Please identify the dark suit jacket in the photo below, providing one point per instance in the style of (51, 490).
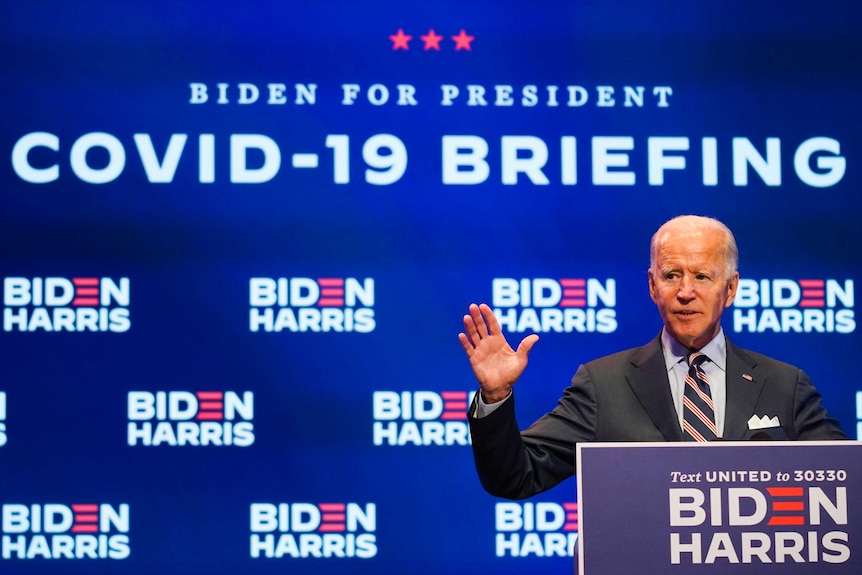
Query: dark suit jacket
(626, 397)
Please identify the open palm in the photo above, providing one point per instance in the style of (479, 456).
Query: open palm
(495, 364)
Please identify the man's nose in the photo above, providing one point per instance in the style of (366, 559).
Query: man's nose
(686, 289)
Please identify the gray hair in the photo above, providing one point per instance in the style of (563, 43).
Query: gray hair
(693, 224)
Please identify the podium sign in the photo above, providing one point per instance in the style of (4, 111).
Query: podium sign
(720, 508)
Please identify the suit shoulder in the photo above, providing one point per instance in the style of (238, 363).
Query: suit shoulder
(766, 362)
(618, 359)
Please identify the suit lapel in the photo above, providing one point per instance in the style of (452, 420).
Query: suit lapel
(744, 385)
(650, 384)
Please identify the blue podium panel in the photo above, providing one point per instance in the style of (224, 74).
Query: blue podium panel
(720, 507)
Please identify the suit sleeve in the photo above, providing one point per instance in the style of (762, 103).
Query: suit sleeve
(810, 418)
(517, 465)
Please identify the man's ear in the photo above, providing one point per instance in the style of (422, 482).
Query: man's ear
(652, 293)
(731, 289)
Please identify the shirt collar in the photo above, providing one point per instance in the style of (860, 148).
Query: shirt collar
(674, 352)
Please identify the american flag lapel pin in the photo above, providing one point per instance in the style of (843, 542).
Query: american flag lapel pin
(747, 377)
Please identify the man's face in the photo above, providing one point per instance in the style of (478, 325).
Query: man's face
(689, 285)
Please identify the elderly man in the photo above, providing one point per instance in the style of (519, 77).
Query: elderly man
(688, 384)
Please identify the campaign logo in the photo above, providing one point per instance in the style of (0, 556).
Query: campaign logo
(66, 304)
(57, 531)
(2, 418)
(777, 524)
(321, 530)
(544, 305)
(181, 418)
(421, 417)
(798, 306)
(543, 529)
(307, 304)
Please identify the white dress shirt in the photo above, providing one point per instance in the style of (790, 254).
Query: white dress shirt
(716, 370)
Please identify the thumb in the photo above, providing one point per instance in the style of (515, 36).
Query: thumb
(527, 344)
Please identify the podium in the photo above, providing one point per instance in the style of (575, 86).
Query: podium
(723, 508)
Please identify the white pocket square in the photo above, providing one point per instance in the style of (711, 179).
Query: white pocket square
(762, 422)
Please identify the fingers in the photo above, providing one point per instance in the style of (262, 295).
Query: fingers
(471, 335)
(466, 343)
(527, 344)
(474, 326)
(493, 326)
(482, 323)
(478, 316)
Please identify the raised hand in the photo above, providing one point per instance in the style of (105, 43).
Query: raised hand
(495, 364)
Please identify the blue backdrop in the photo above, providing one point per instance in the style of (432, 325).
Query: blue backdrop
(239, 238)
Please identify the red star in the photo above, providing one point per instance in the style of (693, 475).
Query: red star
(432, 40)
(400, 40)
(462, 41)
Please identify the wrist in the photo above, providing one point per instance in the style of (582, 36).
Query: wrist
(496, 395)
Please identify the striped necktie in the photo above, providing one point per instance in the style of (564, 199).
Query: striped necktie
(698, 420)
